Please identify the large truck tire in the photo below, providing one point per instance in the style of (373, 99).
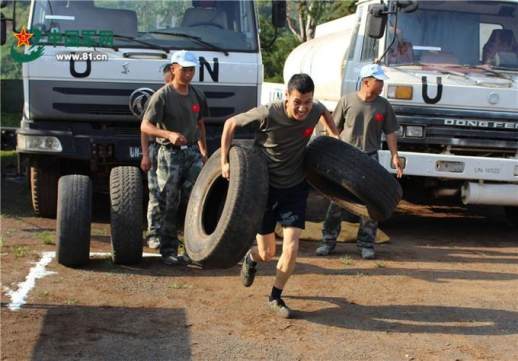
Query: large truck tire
(74, 216)
(223, 216)
(351, 178)
(126, 214)
(44, 189)
(511, 213)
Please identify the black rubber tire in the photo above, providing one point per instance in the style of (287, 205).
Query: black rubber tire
(74, 216)
(223, 216)
(511, 214)
(126, 214)
(351, 178)
(44, 188)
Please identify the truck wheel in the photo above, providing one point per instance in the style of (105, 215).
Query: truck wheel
(126, 198)
(223, 216)
(351, 178)
(511, 213)
(73, 220)
(44, 189)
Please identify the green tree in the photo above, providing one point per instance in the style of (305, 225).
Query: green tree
(9, 68)
(275, 55)
(303, 16)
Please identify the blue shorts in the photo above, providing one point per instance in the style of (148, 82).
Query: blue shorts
(286, 207)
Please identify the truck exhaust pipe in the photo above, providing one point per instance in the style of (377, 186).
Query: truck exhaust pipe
(491, 194)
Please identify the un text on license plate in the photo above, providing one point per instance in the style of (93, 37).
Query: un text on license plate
(134, 152)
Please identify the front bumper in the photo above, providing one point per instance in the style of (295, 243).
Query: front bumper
(450, 166)
(81, 141)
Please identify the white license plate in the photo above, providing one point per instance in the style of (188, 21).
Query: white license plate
(134, 152)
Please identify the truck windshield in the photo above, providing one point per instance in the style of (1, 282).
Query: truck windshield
(467, 33)
(166, 24)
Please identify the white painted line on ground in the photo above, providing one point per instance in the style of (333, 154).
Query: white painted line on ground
(19, 296)
(108, 254)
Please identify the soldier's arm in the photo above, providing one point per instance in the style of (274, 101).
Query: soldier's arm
(327, 121)
(145, 163)
(151, 129)
(392, 145)
(202, 143)
(226, 140)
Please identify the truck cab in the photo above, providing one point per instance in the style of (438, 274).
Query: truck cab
(453, 83)
(99, 63)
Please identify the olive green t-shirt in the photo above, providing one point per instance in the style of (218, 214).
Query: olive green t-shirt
(282, 140)
(176, 112)
(362, 122)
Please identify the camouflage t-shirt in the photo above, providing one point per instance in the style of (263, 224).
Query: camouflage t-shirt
(362, 122)
(176, 112)
(282, 140)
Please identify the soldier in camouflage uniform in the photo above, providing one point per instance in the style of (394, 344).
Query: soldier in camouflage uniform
(174, 116)
(148, 164)
(363, 116)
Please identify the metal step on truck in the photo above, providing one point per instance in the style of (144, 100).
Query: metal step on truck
(453, 83)
(87, 74)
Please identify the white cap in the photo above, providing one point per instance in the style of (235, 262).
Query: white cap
(184, 58)
(373, 70)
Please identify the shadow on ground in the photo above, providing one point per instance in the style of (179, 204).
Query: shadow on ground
(338, 312)
(111, 333)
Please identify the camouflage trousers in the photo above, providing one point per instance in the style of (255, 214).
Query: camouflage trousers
(332, 227)
(153, 206)
(176, 174)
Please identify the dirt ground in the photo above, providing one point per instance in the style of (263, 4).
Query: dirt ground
(444, 287)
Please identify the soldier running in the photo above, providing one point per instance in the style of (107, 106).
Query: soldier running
(285, 128)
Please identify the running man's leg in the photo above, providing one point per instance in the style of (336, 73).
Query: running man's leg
(288, 258)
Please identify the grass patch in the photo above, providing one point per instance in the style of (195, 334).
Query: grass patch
(11, 119)
(70, 301)
(48, 238)
(8, 159)
(179, 286)
(347, 260)
(20, 251)
(380, 265)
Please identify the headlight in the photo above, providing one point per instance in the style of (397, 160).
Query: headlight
(414, 131)
(404, 92)
(38, 143)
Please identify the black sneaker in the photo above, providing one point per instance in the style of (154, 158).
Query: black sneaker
(248, 270)
(278, 307)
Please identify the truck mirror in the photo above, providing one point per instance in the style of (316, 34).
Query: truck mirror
(3, 30)
(279, 13)
(376, 20)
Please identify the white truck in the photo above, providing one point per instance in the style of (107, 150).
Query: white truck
(453, 83)
(85, 92)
